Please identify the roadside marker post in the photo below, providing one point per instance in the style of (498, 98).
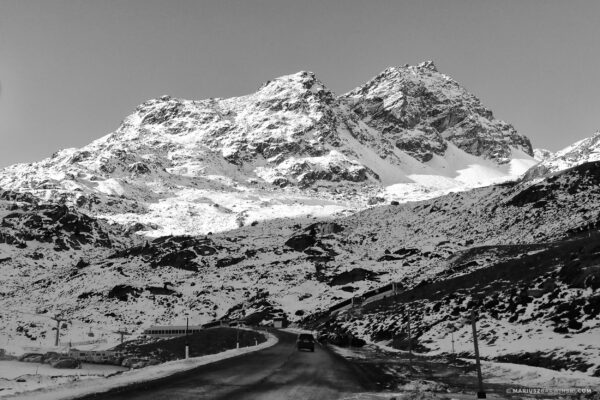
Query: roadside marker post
(410, 355)
(453, 359)
(187, 343)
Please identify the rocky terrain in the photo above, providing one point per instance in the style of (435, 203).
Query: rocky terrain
(420, 111)
(290, 200)
(302, 266)
(542, 154)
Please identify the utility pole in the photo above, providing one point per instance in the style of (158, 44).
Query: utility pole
(481, 393)
(58, 321)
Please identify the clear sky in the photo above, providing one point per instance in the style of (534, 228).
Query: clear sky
(70, 71)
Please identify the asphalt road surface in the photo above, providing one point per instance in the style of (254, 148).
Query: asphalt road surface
(279, 372)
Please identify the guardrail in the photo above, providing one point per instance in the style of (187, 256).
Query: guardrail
(390, 287)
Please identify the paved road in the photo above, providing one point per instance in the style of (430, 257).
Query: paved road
(278, 372)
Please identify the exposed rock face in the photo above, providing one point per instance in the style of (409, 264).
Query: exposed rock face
(419, 110)
(56, 225)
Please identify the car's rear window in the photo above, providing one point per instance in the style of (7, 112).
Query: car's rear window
(306, 336)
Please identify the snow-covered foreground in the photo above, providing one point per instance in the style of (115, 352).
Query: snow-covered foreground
(424, 392)
(515, 374)
(524, 375)
(506, 374)
(13, 369)
(74, 388)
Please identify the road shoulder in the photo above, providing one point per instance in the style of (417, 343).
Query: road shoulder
(93, 386)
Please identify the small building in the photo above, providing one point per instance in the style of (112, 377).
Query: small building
(96, 356)
(172, 331)
(278, 322)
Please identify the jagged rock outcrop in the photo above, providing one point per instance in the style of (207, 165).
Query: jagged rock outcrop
(542, 154)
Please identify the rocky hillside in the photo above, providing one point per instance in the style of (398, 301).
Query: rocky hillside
(538, 306)
(302, 266)
(293, 148)
(524, 256)
(43, 246)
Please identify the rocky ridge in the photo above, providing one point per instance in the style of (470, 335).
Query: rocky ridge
(583, 151)
(291, 148)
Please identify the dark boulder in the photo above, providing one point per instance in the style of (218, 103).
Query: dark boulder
(354, 275)
(180, 260)
(122, 292)
(389, 257)
(227, 261)
(161, 291)
(301, 242)
(324, 228)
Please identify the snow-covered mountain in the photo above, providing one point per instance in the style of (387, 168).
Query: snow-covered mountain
(581, 152)
(258, 205)
(292, 148)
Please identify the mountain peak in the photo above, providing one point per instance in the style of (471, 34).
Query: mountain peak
(301, 80)
(427, 65)
(421, 109)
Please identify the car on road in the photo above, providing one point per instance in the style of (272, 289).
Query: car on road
(306, 341)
